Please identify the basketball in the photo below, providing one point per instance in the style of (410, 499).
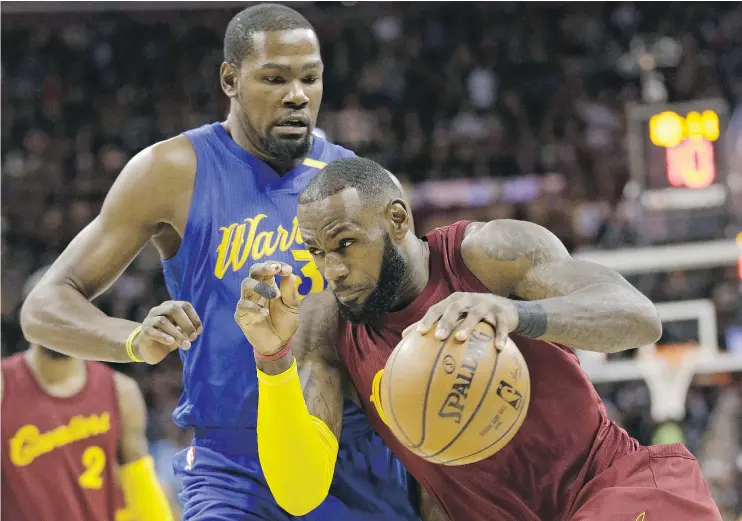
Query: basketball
(451, 402)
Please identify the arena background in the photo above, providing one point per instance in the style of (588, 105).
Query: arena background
(486, 110)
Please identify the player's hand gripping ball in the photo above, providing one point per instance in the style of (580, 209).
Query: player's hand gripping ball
(453, 402)
(464, 311)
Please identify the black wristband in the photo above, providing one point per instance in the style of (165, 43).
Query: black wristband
(531, 319)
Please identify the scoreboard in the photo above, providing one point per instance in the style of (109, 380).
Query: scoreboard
(679, 170)
(684, 148)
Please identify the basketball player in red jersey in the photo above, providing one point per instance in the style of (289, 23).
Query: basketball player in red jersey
(72, 433)
(568, 461)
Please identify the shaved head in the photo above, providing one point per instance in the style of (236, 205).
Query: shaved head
(373, 183)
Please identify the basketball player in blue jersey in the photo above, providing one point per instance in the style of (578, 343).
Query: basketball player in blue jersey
(214, 200)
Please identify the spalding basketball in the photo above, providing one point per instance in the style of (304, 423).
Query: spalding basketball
(452, 402)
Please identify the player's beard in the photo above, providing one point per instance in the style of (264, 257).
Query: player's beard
(285, 150)
(385, 294)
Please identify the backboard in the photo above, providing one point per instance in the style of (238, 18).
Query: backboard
(669, 369)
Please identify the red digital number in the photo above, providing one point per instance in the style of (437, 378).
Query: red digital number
(691, 164)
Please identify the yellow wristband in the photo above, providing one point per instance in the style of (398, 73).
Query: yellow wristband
(129, 342)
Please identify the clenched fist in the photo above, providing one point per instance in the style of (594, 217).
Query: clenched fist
(268, 313)
(169, 326)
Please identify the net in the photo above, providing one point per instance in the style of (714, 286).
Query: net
(668, 371)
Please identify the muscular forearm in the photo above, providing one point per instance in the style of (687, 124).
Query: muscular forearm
(59, 317)
(602, 317)
(297, 450)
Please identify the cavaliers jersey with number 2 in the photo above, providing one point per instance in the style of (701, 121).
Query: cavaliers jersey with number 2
(59, 455)
(242, 212)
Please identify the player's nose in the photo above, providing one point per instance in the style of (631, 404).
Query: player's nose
(296, 97)
(335, 270)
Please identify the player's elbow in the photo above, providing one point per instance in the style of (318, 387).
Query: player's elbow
(299, 506)
(297, 493)
(45, 310)
(32, 318)
(643, 325)
(299, 479)
(650, 325)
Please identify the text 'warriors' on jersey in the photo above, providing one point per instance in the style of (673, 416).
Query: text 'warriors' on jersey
(243, 242)
(242, 212)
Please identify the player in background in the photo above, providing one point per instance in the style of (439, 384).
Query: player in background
(567, 461)
(72, 433)
(213, 201)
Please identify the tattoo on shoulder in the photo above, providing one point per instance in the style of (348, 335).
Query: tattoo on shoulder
(500, 252)
(511, 241)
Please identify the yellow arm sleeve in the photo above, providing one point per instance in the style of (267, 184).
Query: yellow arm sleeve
(297, 450)
(144, 496)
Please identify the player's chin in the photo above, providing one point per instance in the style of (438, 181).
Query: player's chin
(289, 133)
(355, 313)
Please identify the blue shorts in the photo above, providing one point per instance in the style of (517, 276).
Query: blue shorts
(370, 484)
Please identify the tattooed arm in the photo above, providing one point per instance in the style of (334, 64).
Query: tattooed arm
(300, 486)
(300, 416)
(321, 371)
(576, 303)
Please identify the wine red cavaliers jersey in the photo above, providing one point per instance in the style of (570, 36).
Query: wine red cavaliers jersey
(565, 440)
(59, 454)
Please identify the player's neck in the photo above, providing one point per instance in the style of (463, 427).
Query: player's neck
(235, 130)
(415, 280)
(57, 376)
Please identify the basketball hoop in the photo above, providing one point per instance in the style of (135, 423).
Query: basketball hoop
(668, 371)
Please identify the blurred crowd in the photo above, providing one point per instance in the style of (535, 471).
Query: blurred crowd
(433, 91)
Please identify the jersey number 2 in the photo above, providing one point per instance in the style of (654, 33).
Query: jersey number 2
(309, 270)
(94, 460)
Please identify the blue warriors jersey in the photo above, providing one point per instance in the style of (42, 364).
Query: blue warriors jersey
(242, 212)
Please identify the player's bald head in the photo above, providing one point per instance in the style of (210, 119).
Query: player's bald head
(374, 185)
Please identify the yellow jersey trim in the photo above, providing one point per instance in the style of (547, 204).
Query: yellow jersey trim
(314, 163)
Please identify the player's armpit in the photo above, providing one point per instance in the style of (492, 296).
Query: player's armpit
(142, 491)
(571, 302)
(58, 313)
(300, 419)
